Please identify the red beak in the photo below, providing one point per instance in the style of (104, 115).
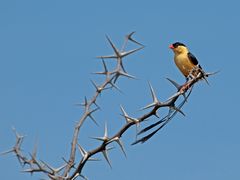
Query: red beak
(171, 46)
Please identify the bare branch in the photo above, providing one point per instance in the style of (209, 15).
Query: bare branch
(71, 169)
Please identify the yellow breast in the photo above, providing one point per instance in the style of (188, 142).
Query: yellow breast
(183, 64)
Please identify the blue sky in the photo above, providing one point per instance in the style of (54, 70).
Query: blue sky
(47, 54)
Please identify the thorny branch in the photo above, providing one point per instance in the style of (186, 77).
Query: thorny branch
(71, 169)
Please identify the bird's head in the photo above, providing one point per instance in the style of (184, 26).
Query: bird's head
(178, 47)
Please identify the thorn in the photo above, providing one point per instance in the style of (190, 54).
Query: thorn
(30, 170)
(96, 105)
(153, 93)
(72, 165)
(127, 75)
(85, 103)
(116, 76)
(118, 54)
(181, 92)
(128, 37)
(124, 54)
(7, 152)
(105, 132)
(89, 114)
(116, 87)
(95, 85)
(145, 138)
(60, 168)
(18, 137)
(82, 151)
(121, 73)
(98, 138)
(212, 73)
(106, 57)
(114, 47)
(34, 153)
(120, 143)
(148, 106)
(105, 154)
(177, 109)
(127, 117)
(151, 126)
(54, 170)
(203, 75)
(105, 137)
(178, 86)
(155, 102)
(104, 66)
(34, 160)
(98, 89)
(205, 79)
(16, 148)
(156, 114)
(131, 39)
(105, 72)
(85, 154)
(125, 43)
(92, 118)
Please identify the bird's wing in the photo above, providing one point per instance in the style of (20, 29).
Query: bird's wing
(192, 58)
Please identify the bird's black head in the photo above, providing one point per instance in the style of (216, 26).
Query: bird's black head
(176, 44)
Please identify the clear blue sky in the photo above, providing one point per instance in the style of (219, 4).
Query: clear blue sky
(47, 54)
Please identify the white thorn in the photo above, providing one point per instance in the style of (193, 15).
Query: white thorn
(105, 131)
(154, 97)
(105, 154)
(155, 100)
(178, 86)
(127, 117)
(118, 140)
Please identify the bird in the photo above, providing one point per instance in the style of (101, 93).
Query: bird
(186, 62)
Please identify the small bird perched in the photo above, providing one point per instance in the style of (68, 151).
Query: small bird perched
(186, 62)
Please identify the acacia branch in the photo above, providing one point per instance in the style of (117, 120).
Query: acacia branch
(71, 169)
(130, 121)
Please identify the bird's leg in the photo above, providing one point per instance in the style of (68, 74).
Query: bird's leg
(193, 73)
(190, 76)
(186, 85)
(189, 80)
